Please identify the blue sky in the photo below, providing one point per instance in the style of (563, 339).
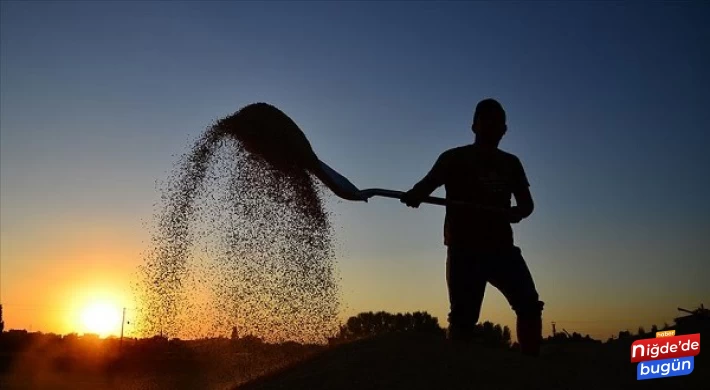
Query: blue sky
(607, 105)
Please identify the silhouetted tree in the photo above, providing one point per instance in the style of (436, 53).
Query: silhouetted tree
(368, 324)
(566, 337)
(642, 331)
(490, 334)
(2, 322)
(235, 334)
(506, 333)
(493, 334)
(654, 329)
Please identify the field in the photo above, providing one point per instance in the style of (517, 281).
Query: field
(394, 361)
(54, 362)
(428, 362)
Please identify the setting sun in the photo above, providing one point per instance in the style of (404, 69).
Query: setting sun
(101, 318)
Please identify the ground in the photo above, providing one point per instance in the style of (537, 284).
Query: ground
(428, 362)
(395, 361)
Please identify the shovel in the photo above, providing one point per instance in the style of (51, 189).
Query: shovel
(266, 131)
(343, 188)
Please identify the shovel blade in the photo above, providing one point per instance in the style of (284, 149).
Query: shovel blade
(339, 184)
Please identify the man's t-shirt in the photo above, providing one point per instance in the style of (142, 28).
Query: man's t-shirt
(482, 177)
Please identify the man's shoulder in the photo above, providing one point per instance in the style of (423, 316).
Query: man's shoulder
(508, 156)
(467, 150)
(457, 151)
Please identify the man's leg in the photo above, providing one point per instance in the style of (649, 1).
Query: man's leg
(512, 277)
(466, 281)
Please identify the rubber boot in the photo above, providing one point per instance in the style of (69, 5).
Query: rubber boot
(529, 330)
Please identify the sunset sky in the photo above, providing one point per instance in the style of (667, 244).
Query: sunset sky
(608, 107)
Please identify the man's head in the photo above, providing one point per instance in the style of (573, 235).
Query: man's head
(489, 122)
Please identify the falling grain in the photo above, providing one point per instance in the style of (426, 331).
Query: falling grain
(241, 240)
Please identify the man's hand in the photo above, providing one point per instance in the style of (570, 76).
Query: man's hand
(515, 214)
(523, 205)
(411, 199)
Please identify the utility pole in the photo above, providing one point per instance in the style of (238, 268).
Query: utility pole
(123, 321)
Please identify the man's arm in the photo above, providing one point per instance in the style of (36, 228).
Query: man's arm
(524, 204)
(433, 180)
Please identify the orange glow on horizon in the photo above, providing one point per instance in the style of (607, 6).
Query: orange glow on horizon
(102, 318)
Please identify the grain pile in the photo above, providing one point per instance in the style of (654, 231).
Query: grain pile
(241, 240)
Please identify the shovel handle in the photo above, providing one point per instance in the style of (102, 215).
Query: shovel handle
(399, 194)
(367, 194)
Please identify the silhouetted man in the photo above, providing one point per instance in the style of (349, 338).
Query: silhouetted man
(480, 242)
